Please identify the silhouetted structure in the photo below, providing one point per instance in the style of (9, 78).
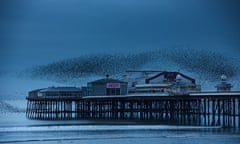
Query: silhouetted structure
(223, 86)
(182, 108)
(106, 86)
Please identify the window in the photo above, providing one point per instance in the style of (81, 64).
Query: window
(113, 91)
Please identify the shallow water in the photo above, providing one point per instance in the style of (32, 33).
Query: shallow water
(15, 128)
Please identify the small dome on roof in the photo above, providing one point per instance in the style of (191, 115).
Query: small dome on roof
(223, 77)
(178, 77)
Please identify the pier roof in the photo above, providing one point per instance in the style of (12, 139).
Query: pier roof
(170, 74)
(61, 89)
(233, 93)
(106, 80)
(128, 96)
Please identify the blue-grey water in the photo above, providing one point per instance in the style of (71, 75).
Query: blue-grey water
(15, 128)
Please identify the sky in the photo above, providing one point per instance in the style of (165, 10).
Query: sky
(36, 32)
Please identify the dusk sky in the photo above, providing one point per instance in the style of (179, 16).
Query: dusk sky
(42, 31)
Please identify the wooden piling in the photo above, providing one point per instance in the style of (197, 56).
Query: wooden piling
(184, 110)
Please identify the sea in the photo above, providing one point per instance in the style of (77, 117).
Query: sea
(15, 128)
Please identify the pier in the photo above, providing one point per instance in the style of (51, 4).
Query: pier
(144, 97)
(196, 109)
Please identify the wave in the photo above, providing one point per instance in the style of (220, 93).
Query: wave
(87, 138)
(84, 128)
(109, 133)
